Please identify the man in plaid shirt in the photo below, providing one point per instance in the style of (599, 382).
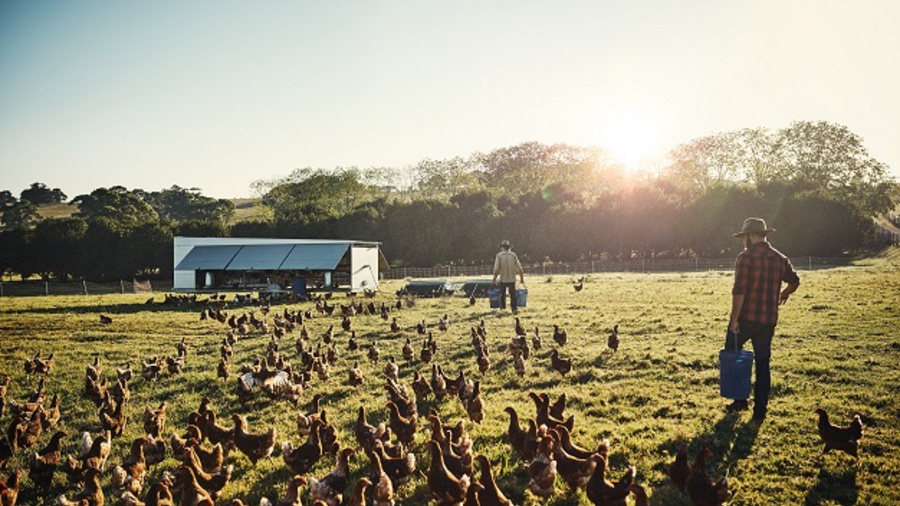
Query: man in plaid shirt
(759, 273)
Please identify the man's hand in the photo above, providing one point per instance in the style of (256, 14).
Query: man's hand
(734, 326)
(783, 297)
(494, 281)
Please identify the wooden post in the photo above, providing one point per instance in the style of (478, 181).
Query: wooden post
(84, 285)
(122, 285)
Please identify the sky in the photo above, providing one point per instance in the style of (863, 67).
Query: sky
(215, 94)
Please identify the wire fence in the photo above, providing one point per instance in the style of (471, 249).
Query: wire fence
(625, 266)
(39, 288)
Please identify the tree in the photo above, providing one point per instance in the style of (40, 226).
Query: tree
(441, 179)
(116, 204)
(181, 204)
(57, 246)
(22, 214)
(308, 196)
(6, 199)
(39, 195)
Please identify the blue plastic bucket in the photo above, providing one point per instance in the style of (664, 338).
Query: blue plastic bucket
(494, 297)
(522, 297)
(734, 373)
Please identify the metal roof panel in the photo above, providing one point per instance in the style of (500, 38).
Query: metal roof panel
(207, 258)
(315, 257)
(259, 257)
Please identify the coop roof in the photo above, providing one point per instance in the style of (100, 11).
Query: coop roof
(260, 257)
(315, 257)
(208, 258)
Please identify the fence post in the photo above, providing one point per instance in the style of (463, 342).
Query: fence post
(643, 261)
(1, 288)
(46, 288)
(84, 285)
(810, 263)
(122, 284)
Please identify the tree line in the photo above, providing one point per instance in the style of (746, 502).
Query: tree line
(813, 181)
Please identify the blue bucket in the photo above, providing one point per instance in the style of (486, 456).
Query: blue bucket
(494, 297)
(734, 373)
(522, 297)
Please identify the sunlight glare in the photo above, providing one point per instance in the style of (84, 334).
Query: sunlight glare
(628, 136)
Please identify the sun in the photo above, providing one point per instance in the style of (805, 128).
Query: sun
(629, 136)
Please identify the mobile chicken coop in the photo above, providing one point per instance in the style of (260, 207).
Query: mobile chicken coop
(213, 264)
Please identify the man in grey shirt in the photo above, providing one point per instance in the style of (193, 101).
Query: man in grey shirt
(506, 266)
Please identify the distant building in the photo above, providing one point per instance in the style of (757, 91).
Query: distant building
(212, 264)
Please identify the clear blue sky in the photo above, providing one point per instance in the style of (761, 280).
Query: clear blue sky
(217, 93)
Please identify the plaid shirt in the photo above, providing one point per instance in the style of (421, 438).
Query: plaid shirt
(758, 274)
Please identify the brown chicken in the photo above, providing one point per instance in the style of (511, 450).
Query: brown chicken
(701, 488)
(358, 495)
(192, 494)
(301, 459)
(155, 420)
(613, 341)
(404, 428)
(490, 494)
(44, 462)
(213, 483)
(603, 492)
(331, 489)
(292, 493)
(445, 487)
(640, 495)
(365, 433)
(560, 365)
(681, 468)
(542, 470)
(9, 491)
(560, 335)
(514, 434)
(573, 470)
(845, 439)
(254, 446)
(381, 492)
(92, 495)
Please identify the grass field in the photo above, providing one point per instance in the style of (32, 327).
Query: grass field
(837, 346)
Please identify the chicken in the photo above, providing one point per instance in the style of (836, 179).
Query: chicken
(358, 496)
(155, 420)
(192, 494)
(559, 407)
(840, 438)
(519, 328)
(680, 469)
(347, 324)
(420, 387)
(154, 449)
(404, 428)
(44, 462)
(565, 439)
(701, 488)
(391, 371)
(305, 420)
(445, 487)
(543, 417)
(94, 369)
(601, 491)
(542, 470)
(381, 492)
(475, 406)
(374, 352)
(331, 489)
(560, 365)
(560, 335)
(105, 320)
(353, 343)
(9, 491)
(210, 460)
(114, 421)
(124, 373)
(579, 286)
(427, 352)
(399, 468)
(97, 450)
(514, 434)
(399, 395)
(640, 495)
(150, 369)
(33, 428)
(574, 470)
(520, 365)
(212, 483)
(365, 433)
(613, 341)
(490, 494)
(159, 495)
(8, 447)
(536, 341)
(292, 494)
(175, 364)
(304, 457)
(92, 495)
(254, 446)
(355, 378)
(224, 369)
(438, 382)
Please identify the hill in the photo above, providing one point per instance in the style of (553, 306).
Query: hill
(244, 210)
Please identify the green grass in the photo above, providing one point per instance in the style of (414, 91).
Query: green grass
(836, 347)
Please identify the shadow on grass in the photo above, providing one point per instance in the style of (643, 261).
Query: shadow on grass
(834, 487)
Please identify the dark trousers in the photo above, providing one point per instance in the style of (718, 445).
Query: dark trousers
(513, 296)
(761, 337)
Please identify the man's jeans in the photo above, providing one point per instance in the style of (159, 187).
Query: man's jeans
(513, 296)
(761, 337)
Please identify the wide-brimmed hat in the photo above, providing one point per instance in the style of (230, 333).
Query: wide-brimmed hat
(755, 226)
(505, 244)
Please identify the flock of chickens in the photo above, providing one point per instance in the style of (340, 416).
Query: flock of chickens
(201, 447)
